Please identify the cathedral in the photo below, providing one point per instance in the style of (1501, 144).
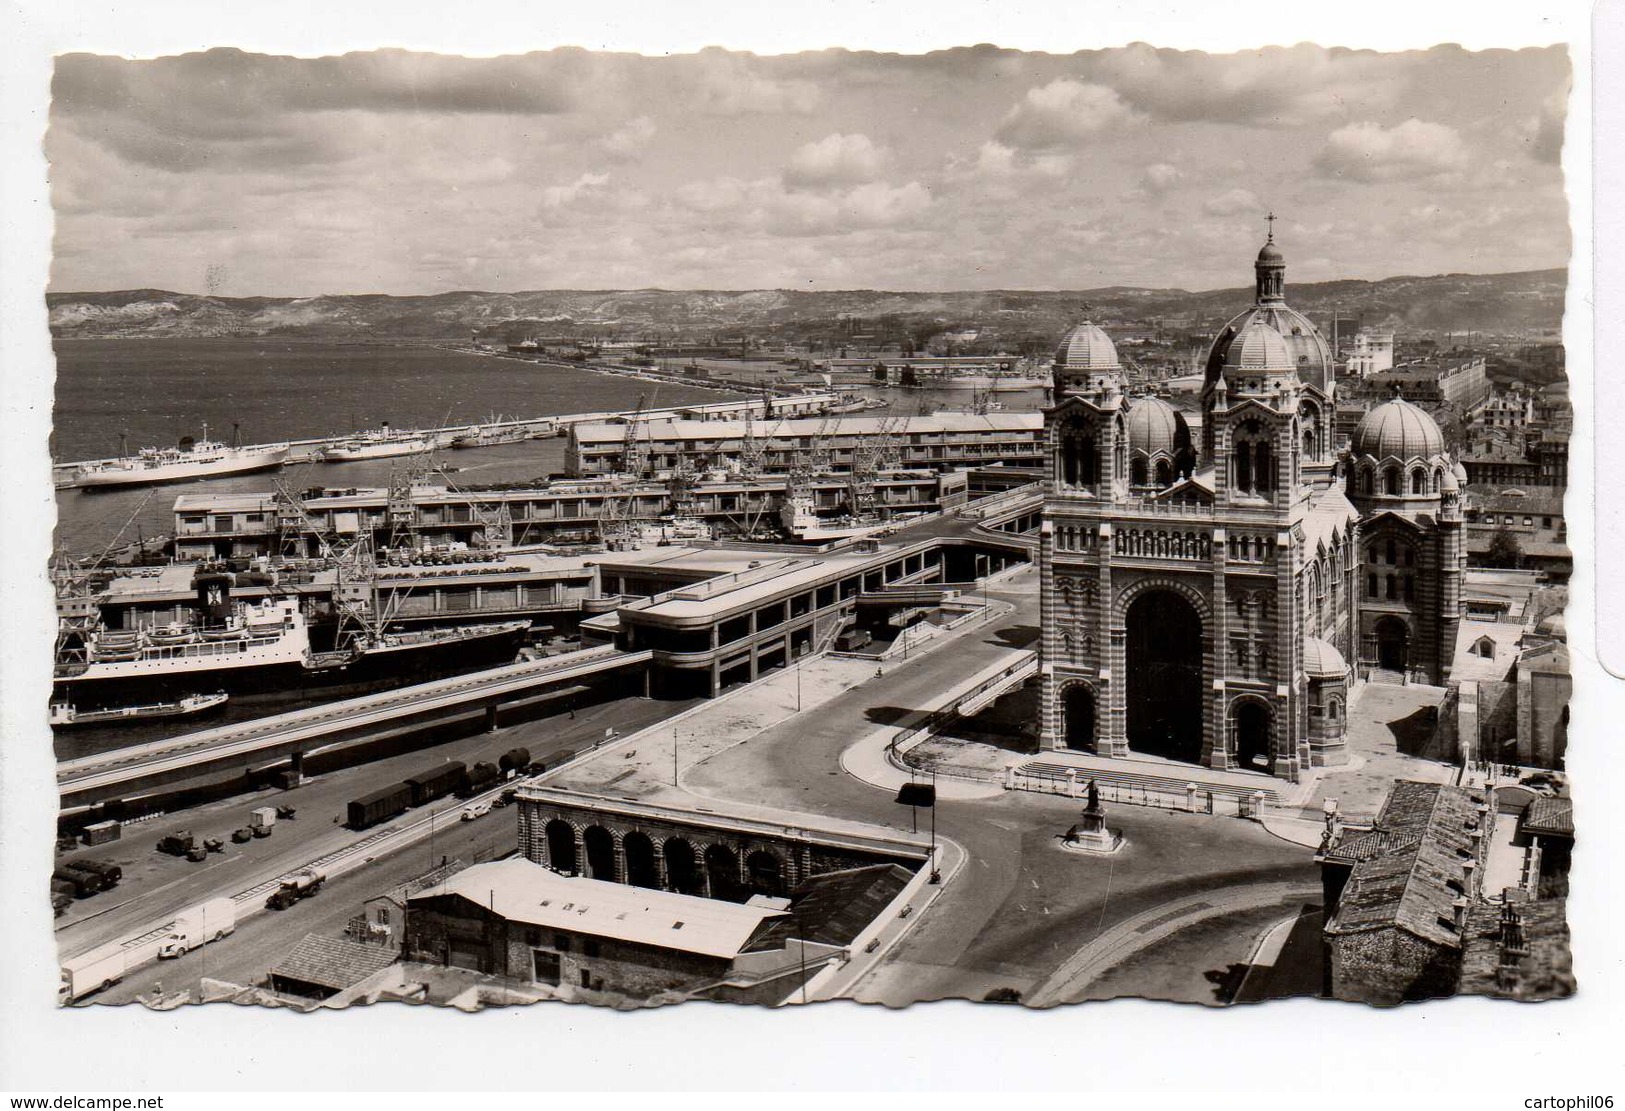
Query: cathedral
(1213, 597)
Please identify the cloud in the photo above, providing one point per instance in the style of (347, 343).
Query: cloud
(835, 160)
(1273, 86)
(1413, 151)
(1062, 114)
(1159, 177)
(557, 196)
(767, 206)
(730, 85)
(629, 139)
(1233, 203)
(1545, 131)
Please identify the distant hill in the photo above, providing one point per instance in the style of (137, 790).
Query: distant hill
(1504, 303)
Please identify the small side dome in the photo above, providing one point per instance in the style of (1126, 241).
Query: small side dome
(1087, 347)
(1399, 430)
(1259, 347)
(1460, 472)
(1156, 426)
(1448, 484)
(1322, 661)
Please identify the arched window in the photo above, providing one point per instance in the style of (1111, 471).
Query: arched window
(1243, 467)
(1263, 469)
(1165, 473)
(1365, 480)
(1484, 648)
(1410, 588)
(1137, 475)
(1371, 585)
(1391, 480)
(1392, 585)
(1390, 553)
(1334, 709)
(1419, 481)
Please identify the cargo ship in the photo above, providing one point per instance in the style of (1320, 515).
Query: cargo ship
(262, 650)
(382, 442)
(190, 459)
(491, 434)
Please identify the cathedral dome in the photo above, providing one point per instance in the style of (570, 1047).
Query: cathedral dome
(1258, 347)
(1322, 661)
(1156, 426)
(1087, 347)
(1270, 252)
(1398, 430)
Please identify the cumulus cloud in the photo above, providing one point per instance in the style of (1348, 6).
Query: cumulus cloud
(835, 160)
(767, 206)
(1159, 177)
(1413, 151)
(1273, 86)
(557, 196)
(733, 84)
(628, 139)
(1233, 203)
(1545, 131)
(1062, 114)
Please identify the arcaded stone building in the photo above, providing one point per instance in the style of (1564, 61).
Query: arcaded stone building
(1213, 602)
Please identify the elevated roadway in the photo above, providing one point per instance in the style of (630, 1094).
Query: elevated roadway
(125, 771)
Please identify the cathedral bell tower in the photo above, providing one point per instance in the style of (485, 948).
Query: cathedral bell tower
(1085, 426)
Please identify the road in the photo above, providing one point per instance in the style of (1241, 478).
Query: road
(1022, 907)
(156, 885)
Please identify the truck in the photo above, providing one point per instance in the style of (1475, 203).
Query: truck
(82, 884)
(177, 842)
(198, 926)
(262, 820)
(379, 806)
(92, 971)
(436, 782)
(300, 885)
(109, 873)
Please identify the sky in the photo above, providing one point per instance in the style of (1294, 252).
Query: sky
(978, 168)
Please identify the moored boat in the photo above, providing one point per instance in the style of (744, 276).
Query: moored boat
(382, 442)
(64, 715)
(188, 460)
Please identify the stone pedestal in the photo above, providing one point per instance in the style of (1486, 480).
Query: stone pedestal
(1090, 835)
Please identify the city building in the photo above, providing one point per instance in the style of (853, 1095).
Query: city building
(1373, 353)
(1518, 949)
(1397, 894)
(1212, 599)
(937, 440)
(1458, 380)
(1532, 518)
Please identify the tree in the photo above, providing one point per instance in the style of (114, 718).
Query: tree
(1505, 550)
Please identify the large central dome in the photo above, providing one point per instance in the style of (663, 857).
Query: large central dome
(1311, 355)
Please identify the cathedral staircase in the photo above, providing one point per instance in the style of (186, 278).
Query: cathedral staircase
(1383, 675)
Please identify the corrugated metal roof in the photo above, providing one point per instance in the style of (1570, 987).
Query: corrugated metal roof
(522, 891)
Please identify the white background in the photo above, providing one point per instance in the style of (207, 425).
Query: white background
(1506, 1051)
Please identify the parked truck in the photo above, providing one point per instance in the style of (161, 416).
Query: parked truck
(82, 883)
(300, 885)
(109, 873)
(177, 842)
(262, 820)
(198, 926)
(92, 971)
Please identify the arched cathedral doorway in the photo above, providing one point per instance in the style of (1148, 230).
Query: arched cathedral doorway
(1250, 735)
(1393, 644)
(1164, 680)
(1079, 707)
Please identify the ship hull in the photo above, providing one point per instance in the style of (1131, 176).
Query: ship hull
(291, 681)
(179, 472)
(374, 451)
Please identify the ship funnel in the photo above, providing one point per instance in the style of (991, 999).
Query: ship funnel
(213, 598)
(186, 443)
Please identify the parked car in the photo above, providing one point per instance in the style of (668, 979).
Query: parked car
(477, 810)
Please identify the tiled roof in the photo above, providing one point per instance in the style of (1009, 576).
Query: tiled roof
(1412, 881)
(1549, 815)
(332, 962)
(833, 908)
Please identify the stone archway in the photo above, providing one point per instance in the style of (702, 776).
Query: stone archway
(1250, 727)
(641, 868)
(600, 845)
(1078, 717)
(683, 873)
(765, 873)
(1393, 644)
(561, 845)
(722, 870)
(1163, 675)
